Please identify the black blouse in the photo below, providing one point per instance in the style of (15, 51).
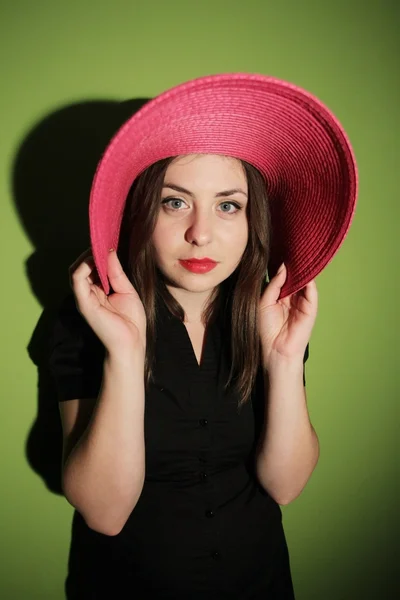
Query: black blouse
(203, 527)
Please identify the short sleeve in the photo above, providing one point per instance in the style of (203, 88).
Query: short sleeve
(76, 355)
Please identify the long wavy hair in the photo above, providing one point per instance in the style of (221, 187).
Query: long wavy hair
(236, 298)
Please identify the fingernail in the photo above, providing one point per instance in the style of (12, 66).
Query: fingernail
(111, 249)
(281, 267)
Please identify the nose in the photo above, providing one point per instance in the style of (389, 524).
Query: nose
(199, 231)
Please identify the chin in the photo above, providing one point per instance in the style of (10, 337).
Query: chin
(197, 286)
(192, 282)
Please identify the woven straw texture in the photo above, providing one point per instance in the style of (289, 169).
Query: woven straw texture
(285, 132)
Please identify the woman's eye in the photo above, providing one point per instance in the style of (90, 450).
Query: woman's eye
(226, 205)
(173, 203)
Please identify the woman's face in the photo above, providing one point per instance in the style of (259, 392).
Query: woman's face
(204, 218)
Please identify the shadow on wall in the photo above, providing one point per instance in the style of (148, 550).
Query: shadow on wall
(52, 176)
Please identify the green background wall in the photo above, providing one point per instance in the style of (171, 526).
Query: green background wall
(62, 65)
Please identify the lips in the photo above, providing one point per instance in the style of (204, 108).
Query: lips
(196, 265)
(199, 260)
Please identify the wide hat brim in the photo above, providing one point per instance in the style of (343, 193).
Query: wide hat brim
(282, 130)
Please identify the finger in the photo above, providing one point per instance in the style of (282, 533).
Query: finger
(117, 276)
(311, 293)
(82, 278)
(274, 287)
(82, 269)
(76, 263)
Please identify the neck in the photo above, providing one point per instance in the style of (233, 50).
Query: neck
(193, 304)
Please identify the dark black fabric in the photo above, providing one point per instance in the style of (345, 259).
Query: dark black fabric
(203, 527)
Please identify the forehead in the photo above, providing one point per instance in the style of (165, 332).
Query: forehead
(211, 165)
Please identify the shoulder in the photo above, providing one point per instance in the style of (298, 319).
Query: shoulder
(70, 324)
(75, 353)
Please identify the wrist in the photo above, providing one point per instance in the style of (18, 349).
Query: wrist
(123, 357)
(279, 366)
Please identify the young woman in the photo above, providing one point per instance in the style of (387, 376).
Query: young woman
(181, 388)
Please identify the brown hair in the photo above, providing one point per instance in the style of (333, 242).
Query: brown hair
(237, 297)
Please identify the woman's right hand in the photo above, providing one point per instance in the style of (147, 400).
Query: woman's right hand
(118, 320)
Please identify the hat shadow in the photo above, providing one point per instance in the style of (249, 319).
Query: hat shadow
(52, 175)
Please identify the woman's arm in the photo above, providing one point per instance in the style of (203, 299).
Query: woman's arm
(288, 449)
(103, 473)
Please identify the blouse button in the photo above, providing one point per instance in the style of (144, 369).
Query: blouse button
(203, 476)
(209, 514)
(215, 555)
(203, 422)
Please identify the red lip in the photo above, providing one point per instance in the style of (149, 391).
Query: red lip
(199, 260)
(198, 266)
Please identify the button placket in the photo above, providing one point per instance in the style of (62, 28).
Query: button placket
(203, 455)
(202, 394)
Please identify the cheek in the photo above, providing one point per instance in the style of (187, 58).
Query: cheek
(238, 239)
(163, 239)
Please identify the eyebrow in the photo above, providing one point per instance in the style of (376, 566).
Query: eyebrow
(223, 194)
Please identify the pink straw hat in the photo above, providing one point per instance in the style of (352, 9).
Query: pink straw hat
(279, 128)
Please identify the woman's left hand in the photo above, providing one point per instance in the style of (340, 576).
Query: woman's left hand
(285, 325)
